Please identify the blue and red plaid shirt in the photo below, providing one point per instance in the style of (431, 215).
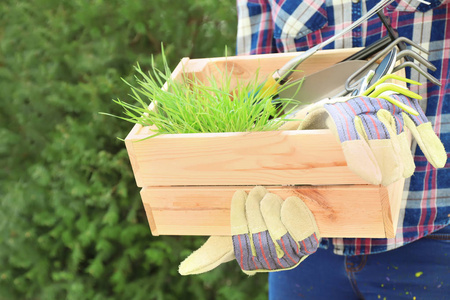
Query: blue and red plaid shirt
(268, 26)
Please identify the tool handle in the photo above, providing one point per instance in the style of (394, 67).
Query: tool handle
(370, 50)
(392, 32)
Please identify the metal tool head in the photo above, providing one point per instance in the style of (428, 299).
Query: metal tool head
(385, 67)
(364, 83)
(416, 56)
(350, 84)
(418, 69)
(322, 84)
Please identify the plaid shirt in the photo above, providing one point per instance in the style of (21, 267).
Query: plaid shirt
(267, 26)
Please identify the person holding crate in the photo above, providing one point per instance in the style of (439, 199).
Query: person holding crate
(270, 234)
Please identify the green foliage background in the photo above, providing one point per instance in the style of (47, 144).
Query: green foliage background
(72, 225)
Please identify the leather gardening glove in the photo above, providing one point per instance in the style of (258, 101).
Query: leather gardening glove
(371, 132)
(268, 234)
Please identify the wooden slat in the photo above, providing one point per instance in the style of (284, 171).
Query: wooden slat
(340, 211)
(267, 158)
(244, 67)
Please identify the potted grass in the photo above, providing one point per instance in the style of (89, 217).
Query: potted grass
(211, 105)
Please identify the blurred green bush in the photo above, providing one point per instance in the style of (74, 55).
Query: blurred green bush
(72, 225)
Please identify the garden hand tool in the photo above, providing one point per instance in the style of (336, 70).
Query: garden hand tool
(280, 76)
(268, 234)
(372, 136)
(350, 84)
(364, 82)
(385, 67)
(313, 88)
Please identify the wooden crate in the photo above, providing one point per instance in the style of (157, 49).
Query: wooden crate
(188, 180)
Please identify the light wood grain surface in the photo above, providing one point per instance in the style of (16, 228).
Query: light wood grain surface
(340, 211)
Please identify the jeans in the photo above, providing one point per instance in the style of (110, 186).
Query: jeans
(419, 270)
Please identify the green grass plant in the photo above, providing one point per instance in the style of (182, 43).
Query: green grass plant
(209, 106)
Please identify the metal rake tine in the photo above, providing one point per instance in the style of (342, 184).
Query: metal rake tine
(416, 56)
(369, 64)
(418, 69)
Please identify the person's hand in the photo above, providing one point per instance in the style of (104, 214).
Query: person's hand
(268, 234)
(371, 132)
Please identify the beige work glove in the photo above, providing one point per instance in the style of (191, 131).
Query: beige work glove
(371, 132)
(268, 234)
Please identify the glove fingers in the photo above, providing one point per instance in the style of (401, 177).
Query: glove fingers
(388, 151)
(405, 154)
(428, 141)
(361, 160)
(390, 164)
(215, 251)
(253, 211)
(238, 217)
(257, 251)
(302, 227)
(253, 245)
(359, 150)
(271, 212)
(288, 250)
(262, 247)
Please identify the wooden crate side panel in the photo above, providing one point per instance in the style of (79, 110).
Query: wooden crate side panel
(151, 219)
(340, 211)
(311, 157)
(244, 67)
(129, 144)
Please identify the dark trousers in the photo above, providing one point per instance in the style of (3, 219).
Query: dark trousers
(419, 270)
